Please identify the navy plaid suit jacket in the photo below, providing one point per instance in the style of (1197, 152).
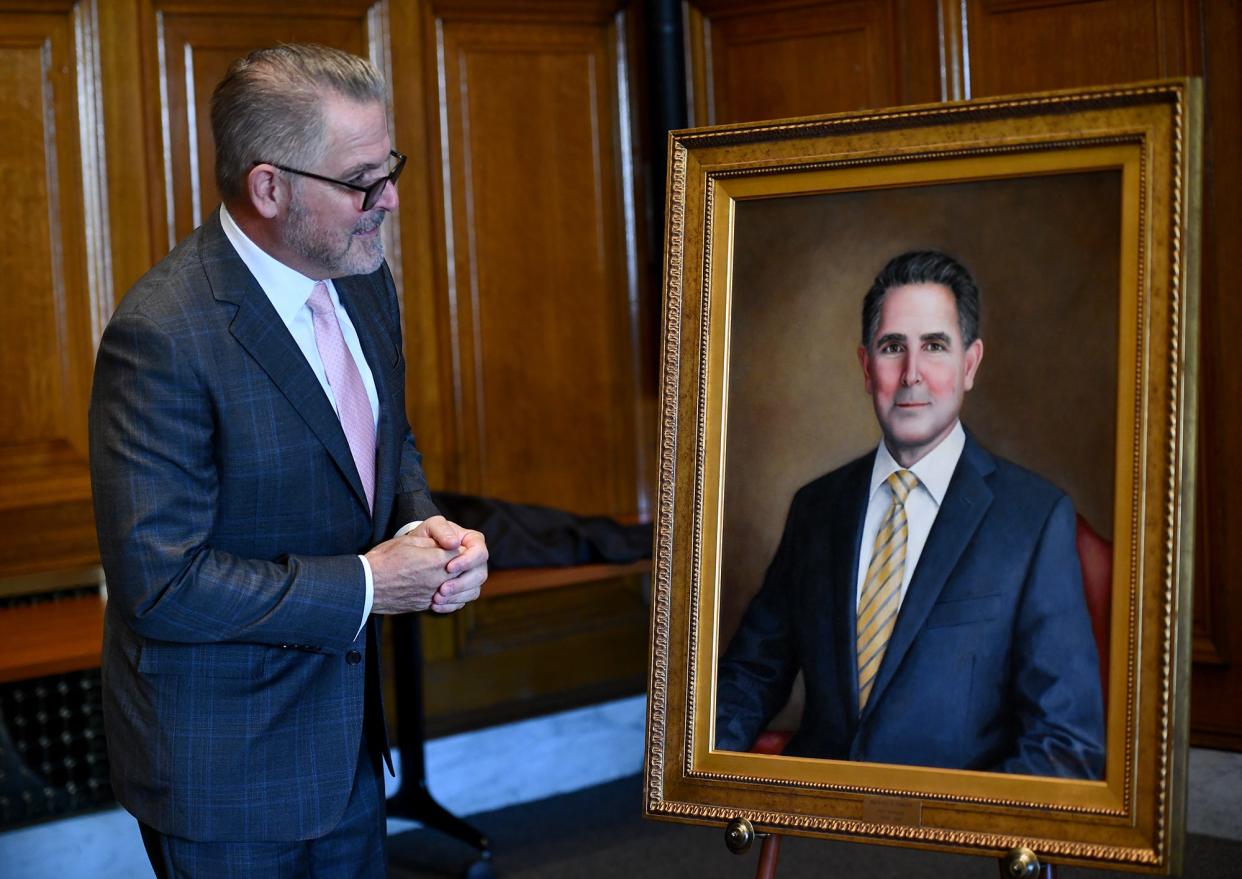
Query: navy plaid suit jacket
(230, 515)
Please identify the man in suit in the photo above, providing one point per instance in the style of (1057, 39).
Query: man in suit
(930, 593)
(251, 462)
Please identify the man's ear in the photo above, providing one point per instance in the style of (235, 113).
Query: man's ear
(974, 356)
(865, 362)
(266, 191)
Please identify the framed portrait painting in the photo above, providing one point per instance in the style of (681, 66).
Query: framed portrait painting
(923, 539)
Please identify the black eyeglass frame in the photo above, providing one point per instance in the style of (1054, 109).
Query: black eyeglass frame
(372, 192)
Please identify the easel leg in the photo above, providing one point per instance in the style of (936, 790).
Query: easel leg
(414, 801)
(769, 856)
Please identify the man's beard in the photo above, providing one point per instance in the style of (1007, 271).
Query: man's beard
(336, 257)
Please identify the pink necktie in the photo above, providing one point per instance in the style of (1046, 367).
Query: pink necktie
(352, 404)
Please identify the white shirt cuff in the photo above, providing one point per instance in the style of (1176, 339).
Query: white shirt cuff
(370, 594)
(407, 528)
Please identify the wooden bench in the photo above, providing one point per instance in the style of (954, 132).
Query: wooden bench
(65, 635)
(50, 638)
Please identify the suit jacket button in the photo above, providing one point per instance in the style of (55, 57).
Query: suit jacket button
(353, 657)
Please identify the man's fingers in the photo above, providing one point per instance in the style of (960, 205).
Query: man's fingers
(445, 533)
(459, 592)
(424, 542)
(463, 588)
(441, 604)
(472, 554)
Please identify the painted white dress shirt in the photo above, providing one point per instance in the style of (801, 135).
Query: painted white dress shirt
(934, 471)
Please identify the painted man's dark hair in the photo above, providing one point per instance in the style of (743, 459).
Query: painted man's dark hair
(924, 267)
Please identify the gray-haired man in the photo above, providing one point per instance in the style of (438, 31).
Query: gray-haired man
(251, 463)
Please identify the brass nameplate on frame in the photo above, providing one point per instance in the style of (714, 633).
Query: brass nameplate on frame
(923, 542)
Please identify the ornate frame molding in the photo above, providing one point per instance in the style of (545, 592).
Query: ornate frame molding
(1131, 820)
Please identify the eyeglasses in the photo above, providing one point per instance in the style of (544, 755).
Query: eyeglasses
(373, 190)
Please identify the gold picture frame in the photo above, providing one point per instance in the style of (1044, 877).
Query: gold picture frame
(773, 233)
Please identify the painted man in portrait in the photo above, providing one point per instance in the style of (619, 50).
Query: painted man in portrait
(929, 592)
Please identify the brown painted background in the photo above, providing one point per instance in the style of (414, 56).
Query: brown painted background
(1045, 252)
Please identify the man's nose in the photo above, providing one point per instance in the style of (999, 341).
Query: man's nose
(388, 198)
(910, 370)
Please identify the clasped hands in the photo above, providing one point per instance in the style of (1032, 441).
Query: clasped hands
(438, 566)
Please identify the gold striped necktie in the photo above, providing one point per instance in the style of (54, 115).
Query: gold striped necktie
(878, 605)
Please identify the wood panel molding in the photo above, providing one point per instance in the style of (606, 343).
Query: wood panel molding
(497, 11)
(523, 327)
(413, 78)
(1014, 46)
(751, 60)
(540, 281)
(55, 260)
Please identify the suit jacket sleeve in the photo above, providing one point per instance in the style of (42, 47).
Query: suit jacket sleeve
(156, 490)
(1055, 677)
(757, 672)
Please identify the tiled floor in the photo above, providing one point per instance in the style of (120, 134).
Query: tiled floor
(515, 763)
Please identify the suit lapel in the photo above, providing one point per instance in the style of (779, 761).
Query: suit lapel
(258, 328)
(965, 503)
(846, 537)
(381, 356)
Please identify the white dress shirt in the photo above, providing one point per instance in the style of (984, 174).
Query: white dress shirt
(288, 291)
(934, 470)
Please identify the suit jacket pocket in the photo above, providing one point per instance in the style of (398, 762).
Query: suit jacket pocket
(205, 660)
(962, 611)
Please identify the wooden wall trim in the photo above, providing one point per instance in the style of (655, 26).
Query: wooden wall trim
(56, 258)
(428, 377)
(94, 167)
(497, 11)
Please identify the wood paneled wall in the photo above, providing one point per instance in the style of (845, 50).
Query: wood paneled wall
(520, 237)
(1032, 45)
(538, 325)
(107, 160)
(54, 262)
(541, 280)
(750, 60)
(754, 60)
(515, 250)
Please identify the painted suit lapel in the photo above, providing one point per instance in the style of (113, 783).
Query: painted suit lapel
(258, 328)
(846, 536)
(965, 503)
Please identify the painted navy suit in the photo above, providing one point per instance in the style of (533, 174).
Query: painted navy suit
(991, 665)
(230, 515)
